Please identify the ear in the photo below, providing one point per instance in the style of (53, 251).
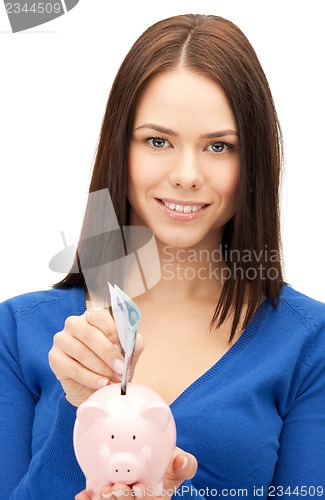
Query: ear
(157, 412)
(88, 414)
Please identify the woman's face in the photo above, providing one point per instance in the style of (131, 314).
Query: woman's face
(183, 160)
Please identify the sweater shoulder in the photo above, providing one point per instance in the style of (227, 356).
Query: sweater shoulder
(45, 299)
(302, 310)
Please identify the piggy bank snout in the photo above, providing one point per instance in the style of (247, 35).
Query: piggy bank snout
(125, 467)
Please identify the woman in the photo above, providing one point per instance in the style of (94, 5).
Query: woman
(190, 148)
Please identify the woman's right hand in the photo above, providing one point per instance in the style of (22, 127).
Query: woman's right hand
(86, 355)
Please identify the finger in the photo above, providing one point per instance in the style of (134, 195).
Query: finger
(138, 490)
(80, 352)
(82, 496)
(67, 368)
(92, 337)
(121, 491)
(184, 465)
(102, 319)
(106, 493)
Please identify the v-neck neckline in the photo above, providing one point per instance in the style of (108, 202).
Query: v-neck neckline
(247, 334)
(234, 350)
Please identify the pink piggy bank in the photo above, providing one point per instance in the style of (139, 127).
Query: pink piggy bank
(124, 438)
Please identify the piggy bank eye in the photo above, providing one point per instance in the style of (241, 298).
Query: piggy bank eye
(133, 437)
(112, 436)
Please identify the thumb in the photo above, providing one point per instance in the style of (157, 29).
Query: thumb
(184, 465)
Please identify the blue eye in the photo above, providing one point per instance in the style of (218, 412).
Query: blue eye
(157, 142)
(218, 147)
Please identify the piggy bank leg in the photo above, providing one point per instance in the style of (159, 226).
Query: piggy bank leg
(92, 490)
(158, 489)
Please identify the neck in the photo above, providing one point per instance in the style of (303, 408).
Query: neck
(191, 274)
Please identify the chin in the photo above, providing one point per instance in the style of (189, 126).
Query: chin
(178, 241)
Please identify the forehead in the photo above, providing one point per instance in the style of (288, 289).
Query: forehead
(181, 94)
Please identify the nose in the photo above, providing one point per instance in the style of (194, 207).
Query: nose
(125, 468)
(186, 172)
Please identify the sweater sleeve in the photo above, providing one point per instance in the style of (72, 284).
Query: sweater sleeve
(50, 473)
(301, 458)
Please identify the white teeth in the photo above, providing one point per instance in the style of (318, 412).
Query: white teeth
(182, 208)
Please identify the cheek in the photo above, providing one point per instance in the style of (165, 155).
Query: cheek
(233, 184)
(226, 183)
(134, 174)
(142, 173)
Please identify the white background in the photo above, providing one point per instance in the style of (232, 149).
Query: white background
(54, 84)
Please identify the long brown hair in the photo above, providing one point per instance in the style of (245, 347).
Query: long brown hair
(216, 48)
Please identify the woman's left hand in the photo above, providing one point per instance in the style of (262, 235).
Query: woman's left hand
(182, 466)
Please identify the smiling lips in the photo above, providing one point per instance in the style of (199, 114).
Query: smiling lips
(181, 211)
(182, 208)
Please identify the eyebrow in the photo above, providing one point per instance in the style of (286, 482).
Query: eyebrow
(168, 131)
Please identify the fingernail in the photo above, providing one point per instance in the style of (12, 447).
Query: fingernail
(185, 463)
(106, 496)
(138, 492)
(118, 366)
(118, 493)
(102, 382)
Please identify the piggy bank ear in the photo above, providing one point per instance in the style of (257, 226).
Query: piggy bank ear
(157, 412)
(87, 415)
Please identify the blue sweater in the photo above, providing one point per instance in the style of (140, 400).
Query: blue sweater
(255, 420)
